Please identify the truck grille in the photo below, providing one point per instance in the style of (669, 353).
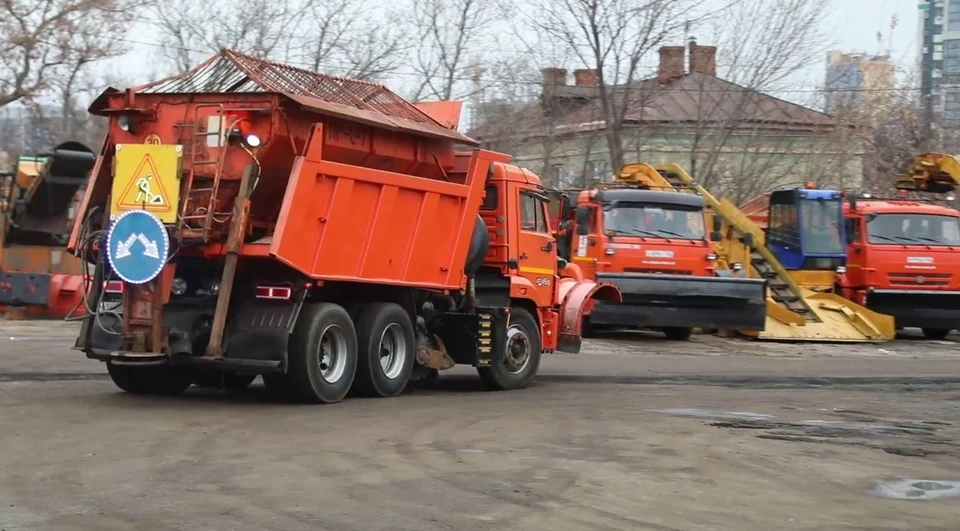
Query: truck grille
(919, 279)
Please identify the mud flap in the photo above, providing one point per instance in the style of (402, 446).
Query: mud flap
(574, 302)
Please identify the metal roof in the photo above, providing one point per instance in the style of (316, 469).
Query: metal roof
(233, 72)
(693, 99)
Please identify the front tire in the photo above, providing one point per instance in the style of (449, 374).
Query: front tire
(322, 354)
(517, 362)
(678, 334)
(387, 350)
(935, 333)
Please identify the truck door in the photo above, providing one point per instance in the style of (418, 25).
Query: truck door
(856, 259)
(536, 247)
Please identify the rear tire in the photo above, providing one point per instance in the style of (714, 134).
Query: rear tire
(387, 350)
(228, 380)
(123, 378)
(162, 380)
(935, 333)
(678, 334)
(322, 357)
(517, 362)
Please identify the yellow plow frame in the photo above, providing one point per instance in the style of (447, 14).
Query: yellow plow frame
(797, 309)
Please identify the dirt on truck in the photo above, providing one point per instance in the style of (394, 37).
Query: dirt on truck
(321, 232)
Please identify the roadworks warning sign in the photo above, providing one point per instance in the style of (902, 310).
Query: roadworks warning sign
(147, 177)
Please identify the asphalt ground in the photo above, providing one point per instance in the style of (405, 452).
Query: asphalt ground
(634, 433)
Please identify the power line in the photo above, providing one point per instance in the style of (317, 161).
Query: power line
(530, 83)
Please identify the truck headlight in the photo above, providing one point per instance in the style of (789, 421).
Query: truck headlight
(712, 256)
(179, 287)
(736, 266)
(841, 269)
(608, 251)
(253, 141)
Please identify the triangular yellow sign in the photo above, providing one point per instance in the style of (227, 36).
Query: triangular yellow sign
(145, 189)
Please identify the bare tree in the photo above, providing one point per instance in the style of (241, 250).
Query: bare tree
(761, 54)
(448, 38)
(335, 36)
(612, 37)
(38, 38)
(343, 36)
(898, 135)
(191, 30)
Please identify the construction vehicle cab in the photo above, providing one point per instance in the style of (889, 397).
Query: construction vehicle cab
(325, 234)
(806, 233)
(655, 245)
(904, 253)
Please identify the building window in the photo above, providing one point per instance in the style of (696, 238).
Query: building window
(951, 60)
(953, 16)
(951, 109)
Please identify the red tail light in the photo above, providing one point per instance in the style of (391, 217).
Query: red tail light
(113, 286)
(273, 292)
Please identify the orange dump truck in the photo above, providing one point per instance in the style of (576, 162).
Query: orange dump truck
(37, 206)
(321, 232)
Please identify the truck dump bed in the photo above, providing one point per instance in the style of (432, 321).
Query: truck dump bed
(346, 181)
(341, 222)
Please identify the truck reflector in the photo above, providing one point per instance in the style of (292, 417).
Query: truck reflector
(113, 286)
(273, 292)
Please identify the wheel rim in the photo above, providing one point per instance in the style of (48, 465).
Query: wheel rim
(393, 351)
(517, 354)
(333, 353)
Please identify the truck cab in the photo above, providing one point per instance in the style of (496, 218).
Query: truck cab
(806, 233)
(654, 245)
(904, 261)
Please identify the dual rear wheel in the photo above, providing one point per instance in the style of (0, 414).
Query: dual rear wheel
(326, 360)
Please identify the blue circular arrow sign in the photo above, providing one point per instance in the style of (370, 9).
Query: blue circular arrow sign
(137, 246)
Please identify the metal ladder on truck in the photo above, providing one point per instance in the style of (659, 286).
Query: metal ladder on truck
(793, 312)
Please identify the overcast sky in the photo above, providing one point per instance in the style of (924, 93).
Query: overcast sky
(857, 23)
(852, 28)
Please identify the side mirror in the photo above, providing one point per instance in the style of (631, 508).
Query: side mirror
(561, 263)
(583, 221)
(748, 239)
(583, 215)
(716, 236)
(717, 223)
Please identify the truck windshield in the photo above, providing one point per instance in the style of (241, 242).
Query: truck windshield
(650, 220)
(917, 229)
(821, 227)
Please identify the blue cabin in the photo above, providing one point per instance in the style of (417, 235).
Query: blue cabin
(805, 230)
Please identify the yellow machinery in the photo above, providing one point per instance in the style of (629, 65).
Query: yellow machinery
(795, 312)
(932, 173)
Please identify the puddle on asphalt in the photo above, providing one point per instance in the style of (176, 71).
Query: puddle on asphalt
(917, 489)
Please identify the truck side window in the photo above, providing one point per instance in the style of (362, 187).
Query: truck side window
(528, 212)
(533, 214)
(489, 198)
(542, 224)
(853, 230)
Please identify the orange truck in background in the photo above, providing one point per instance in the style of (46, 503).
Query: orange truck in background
(903, 260)
(321, 232)
(651, 240)
(38, 201)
